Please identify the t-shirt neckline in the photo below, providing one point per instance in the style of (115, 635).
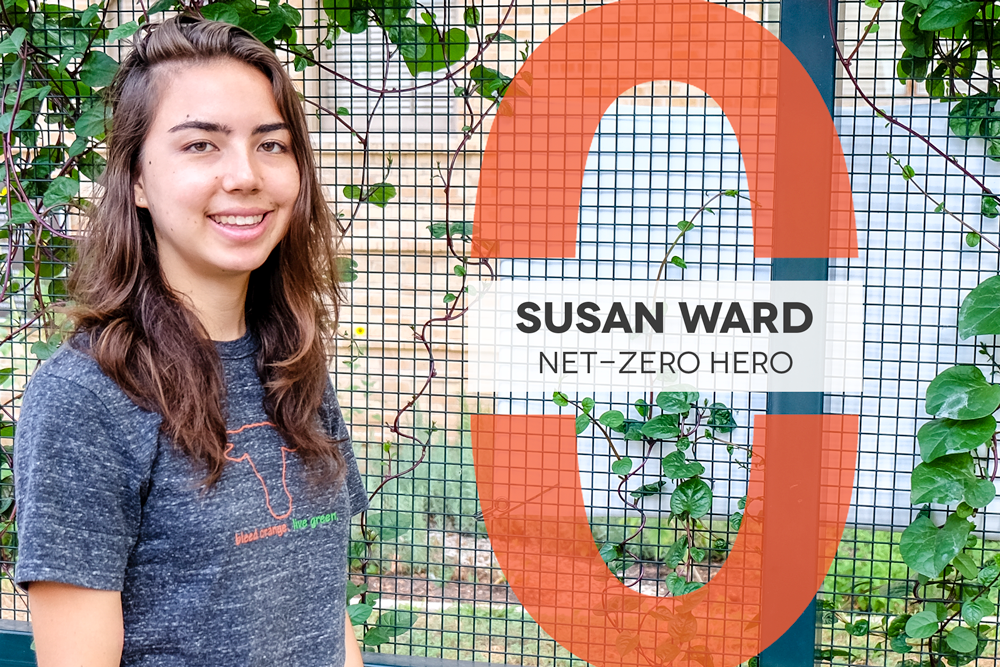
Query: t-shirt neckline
(244, 346)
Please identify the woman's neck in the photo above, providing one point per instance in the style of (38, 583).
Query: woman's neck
(219, 305)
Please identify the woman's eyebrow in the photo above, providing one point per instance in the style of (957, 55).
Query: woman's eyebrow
(225, 129)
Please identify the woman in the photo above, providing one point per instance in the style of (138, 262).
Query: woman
(184, 477)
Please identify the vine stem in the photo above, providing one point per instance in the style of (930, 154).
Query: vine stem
(847, 69)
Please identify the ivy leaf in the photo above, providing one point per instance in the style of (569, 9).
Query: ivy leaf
(389, 525)
(381, 193)
(14, 41)
(685, 226)
(622, 466)
(613, 419)
(582, 422)
(943, 481)
(721, 418)
(675, 466)
(649, 490)
(98, 69)
(898, 643)
(965, 565)
(122, 31)
(661, 427)
(944, 14)
(922, 625)
(93, 122)
(946, 436)
(979, 313)
(352, 192)
(675, 554)
(962, 639)
(858, 629)
(220, 11)
(980, 492)
(60, 191)
(976, 610)
(967, 117)
(587, 404)
(962, 392)
(489, 82)
(676, 260)
(471, 17)
(560, 399)
(11, 121)
(359, 613)
(988, 207)
(972, 239)
(676, 402)
(927, 549)
(692, 498)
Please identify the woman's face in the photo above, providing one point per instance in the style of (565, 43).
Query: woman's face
(217, 173)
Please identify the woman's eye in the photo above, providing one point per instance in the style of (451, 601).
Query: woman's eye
(199, 147)
(272, 147)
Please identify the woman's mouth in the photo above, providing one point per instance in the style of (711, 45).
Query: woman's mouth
(237, 220)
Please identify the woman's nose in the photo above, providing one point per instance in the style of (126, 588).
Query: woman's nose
(241, 172)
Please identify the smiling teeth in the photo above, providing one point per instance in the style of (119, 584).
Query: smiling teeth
(238, 220)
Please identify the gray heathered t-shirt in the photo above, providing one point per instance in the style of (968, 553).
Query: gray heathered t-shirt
(252, 574)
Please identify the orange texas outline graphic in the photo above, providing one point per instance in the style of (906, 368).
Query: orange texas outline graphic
(246, 457)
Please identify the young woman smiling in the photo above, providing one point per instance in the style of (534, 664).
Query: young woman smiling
(169, 457)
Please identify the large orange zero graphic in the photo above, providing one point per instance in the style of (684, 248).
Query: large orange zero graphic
(528, 200)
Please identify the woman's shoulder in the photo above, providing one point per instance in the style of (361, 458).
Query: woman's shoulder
(71, 376)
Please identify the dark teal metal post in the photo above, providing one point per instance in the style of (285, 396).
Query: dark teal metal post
(805, 30)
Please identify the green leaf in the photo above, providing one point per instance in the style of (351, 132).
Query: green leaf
(908, 172)
(966, 118)
(979, 313)
(642, 407)
(161, 6)
(60, 191)
(922, 625)
(376, 636)
(858, 629)
(610, 551)
(972, 239)
(736, 520)
(721, 418)
(220, 11)
(560, 399)
(98, 69)
(89, 14)
(359, 613)
(974, 611)
(440, 53)
(13, 41)
(501, 37)
(988, 206)
(92, 165)
(675, 554)
(927, 549)
(676, 402)
(612, 419)
(676, 260)
(944, 14)
(587, 404)
(381, 193)
(343, 111)
(874, 4)
(898, 643)
(11, 121)
(943, 481)
(916, 41)
(965, 565)
(93, 122)
(352, 192)
(389, 525)
(962, 392)
(661, 427)
(685, 226)
(692, 498)
(20, 214)
(675, 466)
(122, 31)
(449, 297)
(962, 639)
(622, 466)
(459, 270)
(648, 490)
(980, 493)
(471, 16)
(490, 83)
(582, 422)
(946, 436)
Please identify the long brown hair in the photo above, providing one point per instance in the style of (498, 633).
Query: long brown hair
(138, 329)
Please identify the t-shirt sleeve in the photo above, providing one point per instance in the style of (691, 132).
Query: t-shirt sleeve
(339, 431)
(76, 488)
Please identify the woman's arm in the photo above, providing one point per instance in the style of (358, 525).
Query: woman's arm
(352, 650)
(75, 626)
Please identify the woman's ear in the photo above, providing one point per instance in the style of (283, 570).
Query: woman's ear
(140, 194)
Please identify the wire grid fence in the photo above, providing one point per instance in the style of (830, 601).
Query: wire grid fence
(660, 152)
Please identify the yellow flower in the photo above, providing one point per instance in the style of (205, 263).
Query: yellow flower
(3, 193)
(359, 331)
